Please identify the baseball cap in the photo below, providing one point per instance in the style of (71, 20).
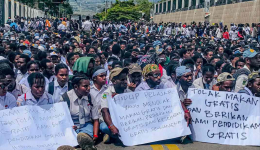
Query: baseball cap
(53, 53)
(225, 76)
(23, 44)
(249, 53)
(117, 71)
(41, 48)
(34, 46)
(253, 76)
(27, 52)
(12, 38)
(134, 68)
(52, 48)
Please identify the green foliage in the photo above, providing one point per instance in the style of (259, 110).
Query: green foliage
(145, 6)
(126, 10)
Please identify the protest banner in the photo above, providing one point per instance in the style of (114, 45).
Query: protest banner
(43, 127)
(224, 117)
(148, 116)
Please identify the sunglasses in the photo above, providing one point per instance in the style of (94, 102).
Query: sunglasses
(156, 75)
(3, 86)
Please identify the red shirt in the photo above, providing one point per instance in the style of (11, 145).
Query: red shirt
(226, 35)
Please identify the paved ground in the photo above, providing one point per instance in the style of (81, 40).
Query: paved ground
(169, 145)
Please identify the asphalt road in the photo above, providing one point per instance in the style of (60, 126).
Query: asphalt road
(172, 145)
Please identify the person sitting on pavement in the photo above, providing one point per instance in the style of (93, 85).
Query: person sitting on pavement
(21, 70)
(252, 60)
(134, 76)
(118, 77)
(47, 68)
(207, 80)
(33, 67)
(185, 81)
(36, 95)
(225, 82)
(61, 83)
(14, 88)
(152, 78)
(82, 111)
(96, 91)
(7, 100)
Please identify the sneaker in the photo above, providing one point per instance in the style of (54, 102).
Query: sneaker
(66, 147)
(85, 141)
(106, 139)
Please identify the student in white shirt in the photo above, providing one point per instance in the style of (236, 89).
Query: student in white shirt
(7, 100)
(60, 85)
(32, 67)
(37, 95)
(14, 88)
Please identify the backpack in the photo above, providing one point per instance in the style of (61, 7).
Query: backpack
(40, 25)
(51, 87)
(66, 99)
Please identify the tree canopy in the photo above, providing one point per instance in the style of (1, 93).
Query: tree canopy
(127, 10)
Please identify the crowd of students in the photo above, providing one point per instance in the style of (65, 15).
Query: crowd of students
(87, 64)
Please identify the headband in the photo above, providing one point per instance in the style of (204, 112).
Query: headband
(99, 71)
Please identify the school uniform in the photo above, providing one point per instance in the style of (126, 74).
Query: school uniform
(57, 91)
(8, 101)
(108, 93)
(19, 90)
(201, 84)
(20, 76)
(241, 82)
(24, 81)
(29, 99)
(181, 93)
(96, 95)
(81, 111)
(246, 91)
(51, 79)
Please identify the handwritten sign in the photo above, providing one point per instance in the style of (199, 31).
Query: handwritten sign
(43, 127)
(148, 116)
(225, 117)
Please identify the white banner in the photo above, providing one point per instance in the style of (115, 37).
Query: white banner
(148, 116)
(43, 127)
(225, 117)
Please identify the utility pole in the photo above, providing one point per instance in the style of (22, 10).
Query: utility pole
(206, 10)
(80, 10)
(106, 8)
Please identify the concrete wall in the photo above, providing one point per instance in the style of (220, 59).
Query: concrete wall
(25, 10)
(246, 12)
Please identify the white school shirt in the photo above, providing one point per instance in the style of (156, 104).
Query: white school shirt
(28, 99)
(96, 97)
(25, 82)
(59, 91)
(7, 101)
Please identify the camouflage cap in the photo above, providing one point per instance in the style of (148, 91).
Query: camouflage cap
(253, 76)
(225, 76)
(117, 71)
(134, 68)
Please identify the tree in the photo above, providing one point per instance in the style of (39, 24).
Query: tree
(127, 10)
(121, 11)
(145, 6)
